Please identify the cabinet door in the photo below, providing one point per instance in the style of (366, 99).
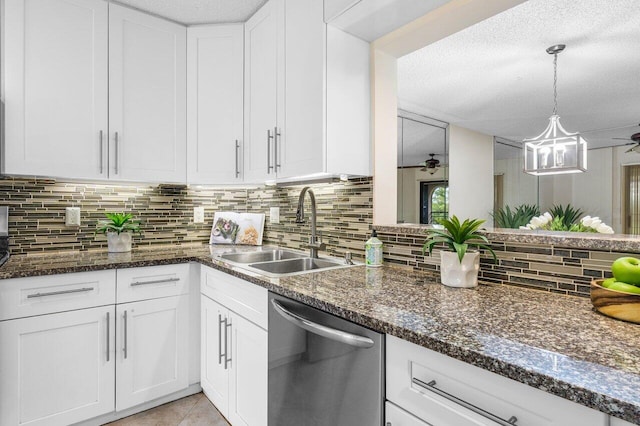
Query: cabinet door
(57, 369)
(248, 373)
(56, 88)
(147, 97)
(153, 352)
(301, 144)
(214, 376)
(618, 422)
(215, 102)
(260, 37)
(395, 416)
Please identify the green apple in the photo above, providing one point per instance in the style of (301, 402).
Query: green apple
(627, 270)
(606, 283)
(624, 287)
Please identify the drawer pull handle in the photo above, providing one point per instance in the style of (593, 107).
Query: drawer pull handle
(431, 386)
(108, 335)
(220, 355)
(55, 293)
(124, 346)
(168, 280)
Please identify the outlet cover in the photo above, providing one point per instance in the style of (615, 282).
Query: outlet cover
(72, 216)
(274, 215)
(198, 214)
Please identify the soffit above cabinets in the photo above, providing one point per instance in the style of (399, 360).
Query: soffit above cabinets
(371, 19)
(190, 12)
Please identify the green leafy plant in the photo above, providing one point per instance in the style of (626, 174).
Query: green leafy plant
(118, 223)
(519, 216)
(568, 215)
(458, 236)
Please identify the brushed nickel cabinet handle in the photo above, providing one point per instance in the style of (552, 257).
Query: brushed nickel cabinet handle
(276, 135)
(124, 347)
(227, 360)
(117, 153)
(55, 293)
(220, 321)
(431, 386)
(101, 152)
(168, 280)
(269, 138)
(237, 156)
(108, 341)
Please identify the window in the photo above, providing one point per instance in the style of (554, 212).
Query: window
(434, 201)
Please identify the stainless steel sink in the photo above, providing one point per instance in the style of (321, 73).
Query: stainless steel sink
(261, 256)
(285, 267)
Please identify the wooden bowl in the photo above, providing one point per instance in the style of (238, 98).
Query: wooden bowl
(615, 304)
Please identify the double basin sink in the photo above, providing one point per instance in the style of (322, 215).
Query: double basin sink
(278, 262)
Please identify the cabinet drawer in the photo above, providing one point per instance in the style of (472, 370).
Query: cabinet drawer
(435, 388)
(240, 296)
(25, 297)
(151, 282)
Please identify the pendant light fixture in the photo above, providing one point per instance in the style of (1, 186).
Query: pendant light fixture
(555, 150)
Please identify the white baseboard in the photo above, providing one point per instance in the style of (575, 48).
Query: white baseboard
(113, 416)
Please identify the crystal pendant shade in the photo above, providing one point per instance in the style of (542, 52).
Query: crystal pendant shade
(555, 151)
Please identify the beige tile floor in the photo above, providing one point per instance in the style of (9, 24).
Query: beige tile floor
(194, 410)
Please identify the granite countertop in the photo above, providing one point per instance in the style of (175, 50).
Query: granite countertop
(552, 342)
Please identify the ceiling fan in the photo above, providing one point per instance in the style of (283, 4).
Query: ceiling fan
(431, 165)
(635, 138)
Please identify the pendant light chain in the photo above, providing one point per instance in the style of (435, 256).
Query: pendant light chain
(555, 84)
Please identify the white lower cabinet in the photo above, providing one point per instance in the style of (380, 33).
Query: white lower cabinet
(618, 422)
(443, 391)
(234, 358)
(57, 369)
(395, 416)
(153, 349)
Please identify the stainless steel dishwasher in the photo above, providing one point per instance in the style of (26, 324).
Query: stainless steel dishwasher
(323, 370)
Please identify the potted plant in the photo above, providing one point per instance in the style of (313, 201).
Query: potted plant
(118, 229)
(458, 267)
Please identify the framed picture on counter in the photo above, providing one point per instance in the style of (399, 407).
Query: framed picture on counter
(237, 228)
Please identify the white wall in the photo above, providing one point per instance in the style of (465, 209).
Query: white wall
(470, 174)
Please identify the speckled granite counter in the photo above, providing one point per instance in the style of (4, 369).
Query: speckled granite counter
(552, 342)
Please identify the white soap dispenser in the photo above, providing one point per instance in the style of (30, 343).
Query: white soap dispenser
(373, 250)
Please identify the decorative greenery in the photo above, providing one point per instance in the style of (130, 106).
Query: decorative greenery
(547, 222)
(519, 216)
(118, 222)
(568, 215)
(458, 236)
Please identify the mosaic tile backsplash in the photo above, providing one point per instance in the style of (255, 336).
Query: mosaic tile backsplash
(37, 213)
(345, 214)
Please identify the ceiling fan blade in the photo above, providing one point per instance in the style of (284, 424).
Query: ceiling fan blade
(622, 139)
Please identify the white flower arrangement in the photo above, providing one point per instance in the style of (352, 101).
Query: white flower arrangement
(587, 224)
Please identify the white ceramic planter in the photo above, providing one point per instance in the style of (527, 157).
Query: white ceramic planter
(119, 243)
(454, 273)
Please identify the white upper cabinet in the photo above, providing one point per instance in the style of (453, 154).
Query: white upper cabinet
(261, 80)
(147, 97)
(307, 95)
(55, 88)
(215, 104)
(93, 90)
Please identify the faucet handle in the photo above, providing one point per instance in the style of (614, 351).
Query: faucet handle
(347, 258)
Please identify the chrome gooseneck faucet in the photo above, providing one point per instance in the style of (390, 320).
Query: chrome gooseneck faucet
(314, 245)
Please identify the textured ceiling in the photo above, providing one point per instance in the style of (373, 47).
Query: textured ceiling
(198, 11)
(496, 78)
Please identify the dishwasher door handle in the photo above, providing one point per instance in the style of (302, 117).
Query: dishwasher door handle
(322, 330)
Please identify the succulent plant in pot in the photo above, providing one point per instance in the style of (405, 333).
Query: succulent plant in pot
(458, 267)
(119, 229)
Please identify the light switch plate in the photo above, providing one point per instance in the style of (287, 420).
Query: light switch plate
(274, 215)
(198, 214)
(72, 216)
